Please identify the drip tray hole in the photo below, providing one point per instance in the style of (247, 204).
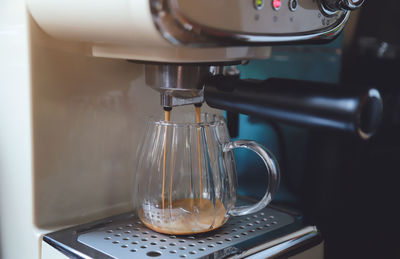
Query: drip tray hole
(153, 254)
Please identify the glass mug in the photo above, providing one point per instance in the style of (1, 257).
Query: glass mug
(186, 178)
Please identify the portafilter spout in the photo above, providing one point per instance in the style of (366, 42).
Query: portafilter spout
(178, 84)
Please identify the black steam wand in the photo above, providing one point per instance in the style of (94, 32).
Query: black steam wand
(302, 103)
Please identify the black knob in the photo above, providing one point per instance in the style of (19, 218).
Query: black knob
(335, 5)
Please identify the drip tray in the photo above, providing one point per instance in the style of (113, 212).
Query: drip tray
(130, 237)
(124, 236)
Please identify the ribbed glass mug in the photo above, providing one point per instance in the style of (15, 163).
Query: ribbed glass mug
(186, 178)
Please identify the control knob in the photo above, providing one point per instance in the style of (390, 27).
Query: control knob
(336, 5)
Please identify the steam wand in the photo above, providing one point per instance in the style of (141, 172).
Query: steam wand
(302, 103)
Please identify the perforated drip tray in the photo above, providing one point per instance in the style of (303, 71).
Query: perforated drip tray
(130, 237)
(124, 236)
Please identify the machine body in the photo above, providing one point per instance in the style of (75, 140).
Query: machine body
(186, 30)
(177, 32)
(72, 103)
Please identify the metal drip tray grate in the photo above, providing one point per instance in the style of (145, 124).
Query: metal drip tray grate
(129, 238)
(270, 232)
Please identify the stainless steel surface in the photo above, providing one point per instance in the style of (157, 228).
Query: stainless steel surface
(335, 5)
(293, 5)
(281, 245)
(130, 238)
(351, 4)
(124, 236)
(177, 24)
(178, 84)
(170, 101)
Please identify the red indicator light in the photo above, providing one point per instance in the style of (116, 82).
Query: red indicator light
(276, 4)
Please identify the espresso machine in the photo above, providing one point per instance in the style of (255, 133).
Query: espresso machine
(79, 78)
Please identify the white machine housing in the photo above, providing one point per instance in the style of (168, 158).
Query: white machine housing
(185, 30)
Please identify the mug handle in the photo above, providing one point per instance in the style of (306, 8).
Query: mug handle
(273, 175)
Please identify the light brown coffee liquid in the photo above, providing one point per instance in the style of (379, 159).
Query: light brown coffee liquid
(198, 119)
(167, 117)
(181, 220)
